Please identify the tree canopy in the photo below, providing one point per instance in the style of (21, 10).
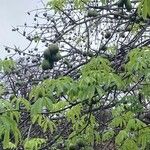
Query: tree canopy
(83, 82)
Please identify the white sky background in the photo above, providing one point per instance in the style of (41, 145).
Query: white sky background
(13, 13)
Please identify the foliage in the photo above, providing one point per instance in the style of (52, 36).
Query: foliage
(95, 95)
(143, 8)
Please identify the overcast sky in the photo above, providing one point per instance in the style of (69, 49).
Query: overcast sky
(13, 13)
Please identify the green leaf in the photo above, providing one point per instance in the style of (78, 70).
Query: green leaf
(35, 117)
(6, 139)
(118, 122)
(129, 144)
(74, 113)
(2, 90)
(47, 103)
(108, 135)
(142, 140)
(131, 125)
(145, 9)
(121, 137)
(47, 124)
(60, 105)
(37, 106)
(34, 143)
(8, 65)
(90, 92)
